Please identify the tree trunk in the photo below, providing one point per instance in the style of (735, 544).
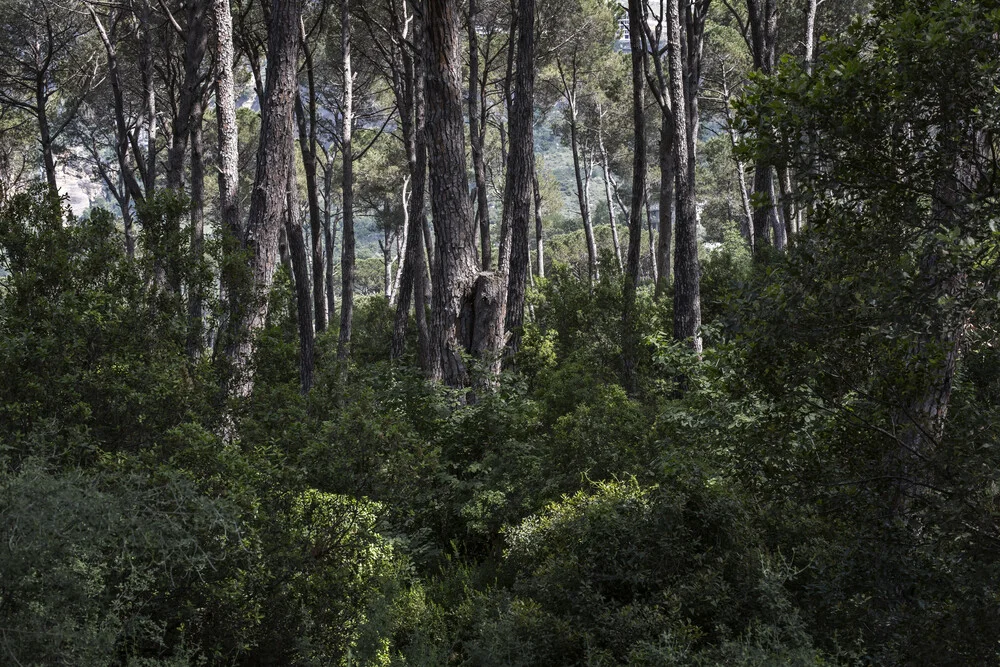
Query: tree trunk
(810, 41)
(539, 240)
(454, 272)
(520, 170)
(347, 247)
(196, 294)
(630, 324)
(195, 44)
(303, 291)
(582, 196)
(307, 145)
(45, 133)
(649, 238)
(687, 272)
(667, 199)
(269, 200)
(606, 168)
(476, 141)
(225, 111)
(330, 239)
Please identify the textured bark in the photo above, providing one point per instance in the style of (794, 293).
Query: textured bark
(810, 41)
(650, 236)
(520, 171)
(347, 187)
(303, 291)
(269, 200)
(630, 329)
(476, 137)
(147, 67)
(687, 272)
(762, 15)
(225, 111)
(667, 200)
(454, 243)
(196, 294)
(539, 239)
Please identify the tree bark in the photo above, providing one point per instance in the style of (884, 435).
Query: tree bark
(225, 111)
(687, 272)
(476, 142)
(454, 272)
(630, 324)
(347, 247)
(539, 239)
(582, 193)
(248, 308)
(667, 200)
(606, 168)
(196, 294)
(520, 170)
(303, 291)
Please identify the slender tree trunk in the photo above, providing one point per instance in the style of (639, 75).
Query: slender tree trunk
(520, 171)
(539, 239)
(667, 199)
(195, 45)
(45, 133)
(414, 275)
(649, 239)
(810, 41)
(148, 69)
(307, 122)
(347, 247)
(303, 289)
(455, 244)
(269, 200)
(225, 112)
(687, 272)
(583, 197)
(196, 293)
(630, 325)
(330, 236)
(476, 141)
(606, 168)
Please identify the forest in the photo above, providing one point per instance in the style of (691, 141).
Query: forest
(499, 332)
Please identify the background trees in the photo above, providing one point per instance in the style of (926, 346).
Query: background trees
(492, 465)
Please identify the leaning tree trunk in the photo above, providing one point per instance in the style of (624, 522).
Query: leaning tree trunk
(630, 324)
(248, 308)
(583, 196)
(606, 168)
(347, 246)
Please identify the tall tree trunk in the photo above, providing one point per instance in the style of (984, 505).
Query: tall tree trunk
(520, 171)
(606, 168)
(148, 70)
(582, 195)
(330, 238)
(303, 290)
(687, 272)
(248, 311)
(476, 141)
(630, 324)
(195, 45)
(45, 132)
(225, 111)
(539, 239)
(810, 41)
(196, 293)
(762, 16)
(667, 199)
(414, 275)
(308, 145)
(347, 247)
(455, 243)
(649, 239)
